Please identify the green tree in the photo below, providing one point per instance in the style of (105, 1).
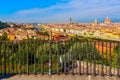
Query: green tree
(84, 50)
(116, 56)
(42, 33)
(3, 25)
(4, 36)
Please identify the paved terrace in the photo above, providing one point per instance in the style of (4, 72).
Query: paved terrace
(60, 77)
(70, 76)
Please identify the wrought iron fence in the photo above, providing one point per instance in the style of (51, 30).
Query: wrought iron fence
(70, 57)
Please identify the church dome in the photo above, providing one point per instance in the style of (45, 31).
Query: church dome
(107, 20)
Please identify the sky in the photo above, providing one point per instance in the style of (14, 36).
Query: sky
(58, 11)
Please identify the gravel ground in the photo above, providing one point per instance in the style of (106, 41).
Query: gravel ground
(60, 77)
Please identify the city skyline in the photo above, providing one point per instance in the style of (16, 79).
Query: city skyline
(59, 11)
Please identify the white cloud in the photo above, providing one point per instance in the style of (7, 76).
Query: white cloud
(73, 8)
(30, 11)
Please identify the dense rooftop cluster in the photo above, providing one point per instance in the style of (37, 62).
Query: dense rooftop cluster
(106, 30)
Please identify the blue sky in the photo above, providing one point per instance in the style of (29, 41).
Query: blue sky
(58, 11)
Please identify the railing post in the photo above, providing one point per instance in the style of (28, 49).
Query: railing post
(82, 50)
(50, 58)
(27, 57)
(118, 62)
(34, 59)
(87, 58)
(20, 59)
(91, 61)
(58, 60)
(79, 60)
(106, 56)
(102, 72)
(110, 74)
(4, 58)
(99, 57)
(42, 56)
(72, 58)
(94, 59)
(64, 57)
(12, 58)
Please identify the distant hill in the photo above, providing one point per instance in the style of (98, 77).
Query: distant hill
(90, 20)
(3, 25)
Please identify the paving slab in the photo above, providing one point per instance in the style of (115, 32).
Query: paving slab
(60, 77)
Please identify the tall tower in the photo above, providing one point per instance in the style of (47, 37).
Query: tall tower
(96, 22)
(70, 20)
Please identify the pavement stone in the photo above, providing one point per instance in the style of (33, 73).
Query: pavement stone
(60, 77)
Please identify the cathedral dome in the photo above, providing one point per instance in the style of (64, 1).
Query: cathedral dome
(107, 20)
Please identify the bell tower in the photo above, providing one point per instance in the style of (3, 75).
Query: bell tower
(70, 20)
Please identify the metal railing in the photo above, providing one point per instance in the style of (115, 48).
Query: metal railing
(70, 57)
